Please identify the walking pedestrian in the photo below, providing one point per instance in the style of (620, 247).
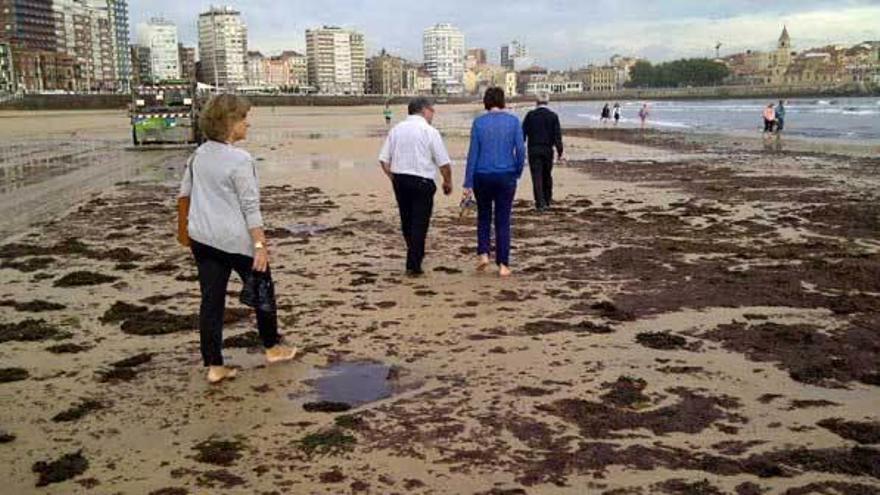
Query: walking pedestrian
(606, 114)
(495, 163)
(388, 114)
(410, 157)
(643, 114)
(769, 118)
(616, 114)
(225, 230)
(780, 117)
(542, 134)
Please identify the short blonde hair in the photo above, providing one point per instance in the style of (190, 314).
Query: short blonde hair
(220, 114)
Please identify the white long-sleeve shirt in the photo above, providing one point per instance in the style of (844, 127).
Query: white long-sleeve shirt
(224, 198)
(414, 147)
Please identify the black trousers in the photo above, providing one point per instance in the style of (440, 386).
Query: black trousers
(415, 199)
(541, 167)
(215, 267)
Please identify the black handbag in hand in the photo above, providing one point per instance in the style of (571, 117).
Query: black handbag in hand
(259, 292)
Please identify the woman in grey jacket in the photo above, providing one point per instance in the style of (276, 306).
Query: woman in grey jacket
(225, 227)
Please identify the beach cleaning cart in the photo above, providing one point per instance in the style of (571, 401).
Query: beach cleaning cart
(165, 115)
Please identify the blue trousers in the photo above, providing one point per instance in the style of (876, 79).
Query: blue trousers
(494, 192)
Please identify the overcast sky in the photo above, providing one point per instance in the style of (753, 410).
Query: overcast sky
(560, 33)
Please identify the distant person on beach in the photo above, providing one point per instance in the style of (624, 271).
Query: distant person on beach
(542, 134)
(388, 114)
(410, 157)
(643, 114)
(769, 118)
(780, 117)
(495, 162)
(616, 114)
(606, 114)
(225, 228)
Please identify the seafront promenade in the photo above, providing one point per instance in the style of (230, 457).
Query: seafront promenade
(121, 101)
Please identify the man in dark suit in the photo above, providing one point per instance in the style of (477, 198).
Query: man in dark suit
(542, 133)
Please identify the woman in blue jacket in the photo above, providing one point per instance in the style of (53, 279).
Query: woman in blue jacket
(495, 164)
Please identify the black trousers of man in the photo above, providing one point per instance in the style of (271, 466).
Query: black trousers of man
(541, 167)
(415, 199)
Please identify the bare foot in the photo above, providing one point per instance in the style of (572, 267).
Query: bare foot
(504, 271)
(217, 374)
(483, 263)
(280, 353)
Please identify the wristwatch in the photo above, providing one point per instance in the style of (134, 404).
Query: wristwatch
(259, 245)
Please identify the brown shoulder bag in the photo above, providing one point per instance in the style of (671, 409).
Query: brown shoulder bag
(183, 209)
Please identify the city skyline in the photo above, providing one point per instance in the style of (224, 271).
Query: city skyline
(566, 39)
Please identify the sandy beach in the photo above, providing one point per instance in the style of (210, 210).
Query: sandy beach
(693, 317)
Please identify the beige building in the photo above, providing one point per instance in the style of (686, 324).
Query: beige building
(298, 65)
(756, 67)
(336, 60)
(424, 81)
(475, 58)
(862, 62)
(814, 68)
(385, 75)
(598, 78)
(510, 84)
(477, 80)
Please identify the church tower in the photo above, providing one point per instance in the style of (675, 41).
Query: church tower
(781, 60)
(784, 40)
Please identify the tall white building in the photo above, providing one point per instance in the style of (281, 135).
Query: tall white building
(223, 47)
(337, 60)
(160, 36)
(444, 54)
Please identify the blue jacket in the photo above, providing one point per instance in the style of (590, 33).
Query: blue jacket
(496, 147)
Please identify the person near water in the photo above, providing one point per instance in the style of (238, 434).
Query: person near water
(411, 156)
(769, 118)
(495, 162)
(225, 228)
(780, 117)
(542, 133)
(606, 114)
(616, 114)
(388, 114)
(643, 114)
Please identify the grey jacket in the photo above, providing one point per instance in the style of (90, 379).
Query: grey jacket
(224, 198)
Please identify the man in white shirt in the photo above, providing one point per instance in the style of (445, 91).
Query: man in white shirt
(410, 157)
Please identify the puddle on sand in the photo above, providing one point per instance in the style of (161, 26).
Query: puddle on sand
(353, 383)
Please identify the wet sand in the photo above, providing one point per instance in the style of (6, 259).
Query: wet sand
(691, 318)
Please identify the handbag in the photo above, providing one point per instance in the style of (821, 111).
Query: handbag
(468, 204)
(259, 292)
(183, 203)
